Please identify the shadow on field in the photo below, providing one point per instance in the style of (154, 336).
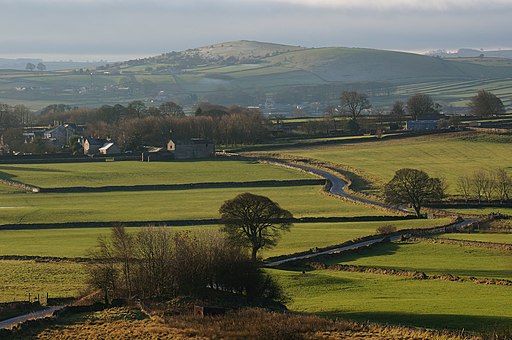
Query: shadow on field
(20, 168)
(380, 250)
(475, 323)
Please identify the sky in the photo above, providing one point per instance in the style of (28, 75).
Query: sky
(125, 29)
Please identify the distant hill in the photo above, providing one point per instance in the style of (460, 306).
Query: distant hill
(472, 53)
(253, 73)
(21, 63)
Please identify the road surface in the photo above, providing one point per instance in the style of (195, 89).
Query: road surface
(12, 322)
(338, 188)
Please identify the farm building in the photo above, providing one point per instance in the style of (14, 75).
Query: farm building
(191, 148)
(421, 125)
(59, 135)
(109, 149)
(94, 146)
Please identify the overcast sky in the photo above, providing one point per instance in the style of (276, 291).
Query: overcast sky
(120, 29)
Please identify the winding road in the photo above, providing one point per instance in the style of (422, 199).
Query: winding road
(338, 188)
(12, 322)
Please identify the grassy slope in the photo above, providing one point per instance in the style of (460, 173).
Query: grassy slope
(59, 279)
(398, 300)
(297, 67)
(434, 259)
(131, 173)
(77, 242)
(447, 156)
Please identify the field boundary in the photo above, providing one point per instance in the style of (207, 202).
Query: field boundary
(186, 186)
(417, 275)
(185, 223)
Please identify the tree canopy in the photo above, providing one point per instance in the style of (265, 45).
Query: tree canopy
(422, 105)
(486, 104)
(254, 221)
(414, 187)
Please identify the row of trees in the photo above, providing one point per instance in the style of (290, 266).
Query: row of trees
(352, 104)
(158, 262)
(485, 185)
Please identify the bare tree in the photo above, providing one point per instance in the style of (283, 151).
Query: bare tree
(489, 185)
(414, 187)
(479, 180)
(464, 184)
(503, 185)
(254, 221)
(102, 270)
(353, 103)
(123, 250)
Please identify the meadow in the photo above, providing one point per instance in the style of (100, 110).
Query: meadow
(58, 279)
(445, 155)
(78, 241)
(97, 174)
(302, 201)
(397, 300)
(434, 259)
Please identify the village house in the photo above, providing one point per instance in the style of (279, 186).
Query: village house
(109, 149)
(191, 148)
(93, 146)
(60, 134)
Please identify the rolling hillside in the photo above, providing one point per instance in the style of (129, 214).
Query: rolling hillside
(246, 72)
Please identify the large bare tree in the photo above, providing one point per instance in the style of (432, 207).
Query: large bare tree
(414, 187)
(353, 103)
(254, 221)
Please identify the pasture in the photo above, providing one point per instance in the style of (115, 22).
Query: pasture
(78, 241)
(58, 279)
(142, 173)
(397, 300)
(446, 155)
(302, 201)
(434, 259)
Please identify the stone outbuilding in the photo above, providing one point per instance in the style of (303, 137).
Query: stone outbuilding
(191, 148)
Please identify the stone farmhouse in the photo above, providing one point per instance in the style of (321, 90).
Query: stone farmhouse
(94, 146)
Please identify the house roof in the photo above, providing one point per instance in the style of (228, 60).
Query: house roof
(106, 146)
(96, 141)
(190, 141)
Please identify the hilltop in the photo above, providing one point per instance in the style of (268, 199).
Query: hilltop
(249, 73)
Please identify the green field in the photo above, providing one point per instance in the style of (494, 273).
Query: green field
(447, 155)
(303, 236)
(141, 173)
(302, 201)
(397, 300)
(482, 237)
(434, 259)
(58, 279)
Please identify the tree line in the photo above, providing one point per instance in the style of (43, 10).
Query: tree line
(485, 185)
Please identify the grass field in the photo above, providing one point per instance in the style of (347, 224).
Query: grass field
(482, 237)
(132, 173)
(435, 259)
(447, 155)
(166, 205)
(58, 279)
(397, 300)
(77, 242)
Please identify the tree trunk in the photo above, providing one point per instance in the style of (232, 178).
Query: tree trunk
(254, 254)
(417, 210)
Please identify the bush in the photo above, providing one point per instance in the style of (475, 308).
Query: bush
(386, 229)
